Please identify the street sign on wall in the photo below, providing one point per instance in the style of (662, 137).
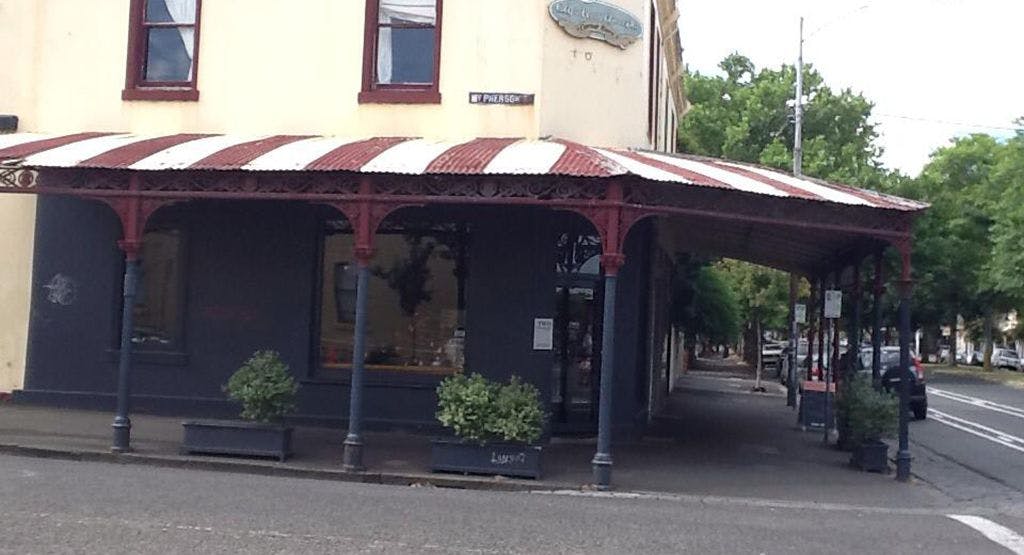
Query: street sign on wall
(505, 99)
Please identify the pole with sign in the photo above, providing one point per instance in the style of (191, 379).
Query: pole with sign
(833, 310)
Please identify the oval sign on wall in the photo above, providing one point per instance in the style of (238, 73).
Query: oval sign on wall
(597, 20)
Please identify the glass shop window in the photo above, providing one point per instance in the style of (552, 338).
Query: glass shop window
(416, 300)
(159, 300)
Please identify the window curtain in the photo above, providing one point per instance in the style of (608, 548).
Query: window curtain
(184, 11)
(423, 12)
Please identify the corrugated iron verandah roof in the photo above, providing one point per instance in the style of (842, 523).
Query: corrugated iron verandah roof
(716, 207)
(407, 156)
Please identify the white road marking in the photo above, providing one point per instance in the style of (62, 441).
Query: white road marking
(982, 431)
(977, 402)
(995, 532)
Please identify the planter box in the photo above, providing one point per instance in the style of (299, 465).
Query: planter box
(504, 459)
(872, 456)
(230, 437)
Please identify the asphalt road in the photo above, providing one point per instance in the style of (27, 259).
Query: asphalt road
(977, 425)
(49, 506)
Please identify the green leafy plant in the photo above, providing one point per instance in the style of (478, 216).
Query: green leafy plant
(264, 387)
(871, 415)
(477, 409)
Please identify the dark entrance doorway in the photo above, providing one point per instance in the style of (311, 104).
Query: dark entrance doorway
(579, 296)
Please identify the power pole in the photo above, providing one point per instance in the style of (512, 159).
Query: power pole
(798, 162)
(798, 134)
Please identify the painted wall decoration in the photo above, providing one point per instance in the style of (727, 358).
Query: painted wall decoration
(61, 290)
(597, 20)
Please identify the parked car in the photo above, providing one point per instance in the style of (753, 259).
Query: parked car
(891, 376)
(802, 361)
(1005, 358)
(771, 355)
(975, 358)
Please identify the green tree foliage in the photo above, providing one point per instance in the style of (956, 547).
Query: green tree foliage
(968, 246)
(762, 293)
(1004, 268)
(705, 304)
(747, 115)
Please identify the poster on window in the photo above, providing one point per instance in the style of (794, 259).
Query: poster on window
(543, 334)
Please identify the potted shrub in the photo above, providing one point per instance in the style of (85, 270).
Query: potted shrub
(870, 415)
(266, 391)
(496, 427)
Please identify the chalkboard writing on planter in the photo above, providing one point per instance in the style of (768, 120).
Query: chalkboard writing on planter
(502, 459)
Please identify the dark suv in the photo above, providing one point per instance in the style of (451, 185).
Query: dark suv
(891, 376)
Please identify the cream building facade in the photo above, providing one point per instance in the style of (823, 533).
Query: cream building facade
(266, 67)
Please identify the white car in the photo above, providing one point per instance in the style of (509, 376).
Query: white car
(1006, 358)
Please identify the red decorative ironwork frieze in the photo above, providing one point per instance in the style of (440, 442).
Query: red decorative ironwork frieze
(17, 178)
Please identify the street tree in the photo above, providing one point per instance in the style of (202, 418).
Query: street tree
(747, 115)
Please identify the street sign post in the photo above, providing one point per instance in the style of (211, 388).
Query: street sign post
(833, 303)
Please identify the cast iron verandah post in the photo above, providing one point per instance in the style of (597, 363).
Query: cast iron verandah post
(365, 215)
(812, 319)
(602, 462)
(133, 212)
(853, 342)
(353, 456)
(906, 288)
(122, 423)
(794, 342)
(876, 332)
(364, 229)
(613, 224)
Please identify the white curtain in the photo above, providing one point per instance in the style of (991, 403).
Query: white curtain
(184, 11)
(422, 12)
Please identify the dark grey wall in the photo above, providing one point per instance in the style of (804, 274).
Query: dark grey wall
(512, 281)
(251, 277)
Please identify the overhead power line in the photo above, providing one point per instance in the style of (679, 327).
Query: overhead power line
(953, 123)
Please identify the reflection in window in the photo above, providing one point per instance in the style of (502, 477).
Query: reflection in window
(416, 300)
(158, 301)
(406, 39)
(578, 253)
(170, 38)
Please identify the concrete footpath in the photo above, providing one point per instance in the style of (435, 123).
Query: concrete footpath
(715, 439)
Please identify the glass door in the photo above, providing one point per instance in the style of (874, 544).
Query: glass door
(577, 345)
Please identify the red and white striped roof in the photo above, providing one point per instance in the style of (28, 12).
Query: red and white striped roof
(396, 155)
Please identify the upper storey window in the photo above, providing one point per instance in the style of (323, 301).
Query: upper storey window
(163, 43)
(402, 51)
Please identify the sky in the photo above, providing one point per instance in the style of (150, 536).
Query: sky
(935, 69)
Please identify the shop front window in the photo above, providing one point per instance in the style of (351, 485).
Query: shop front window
(156, 315)
(416, 299)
